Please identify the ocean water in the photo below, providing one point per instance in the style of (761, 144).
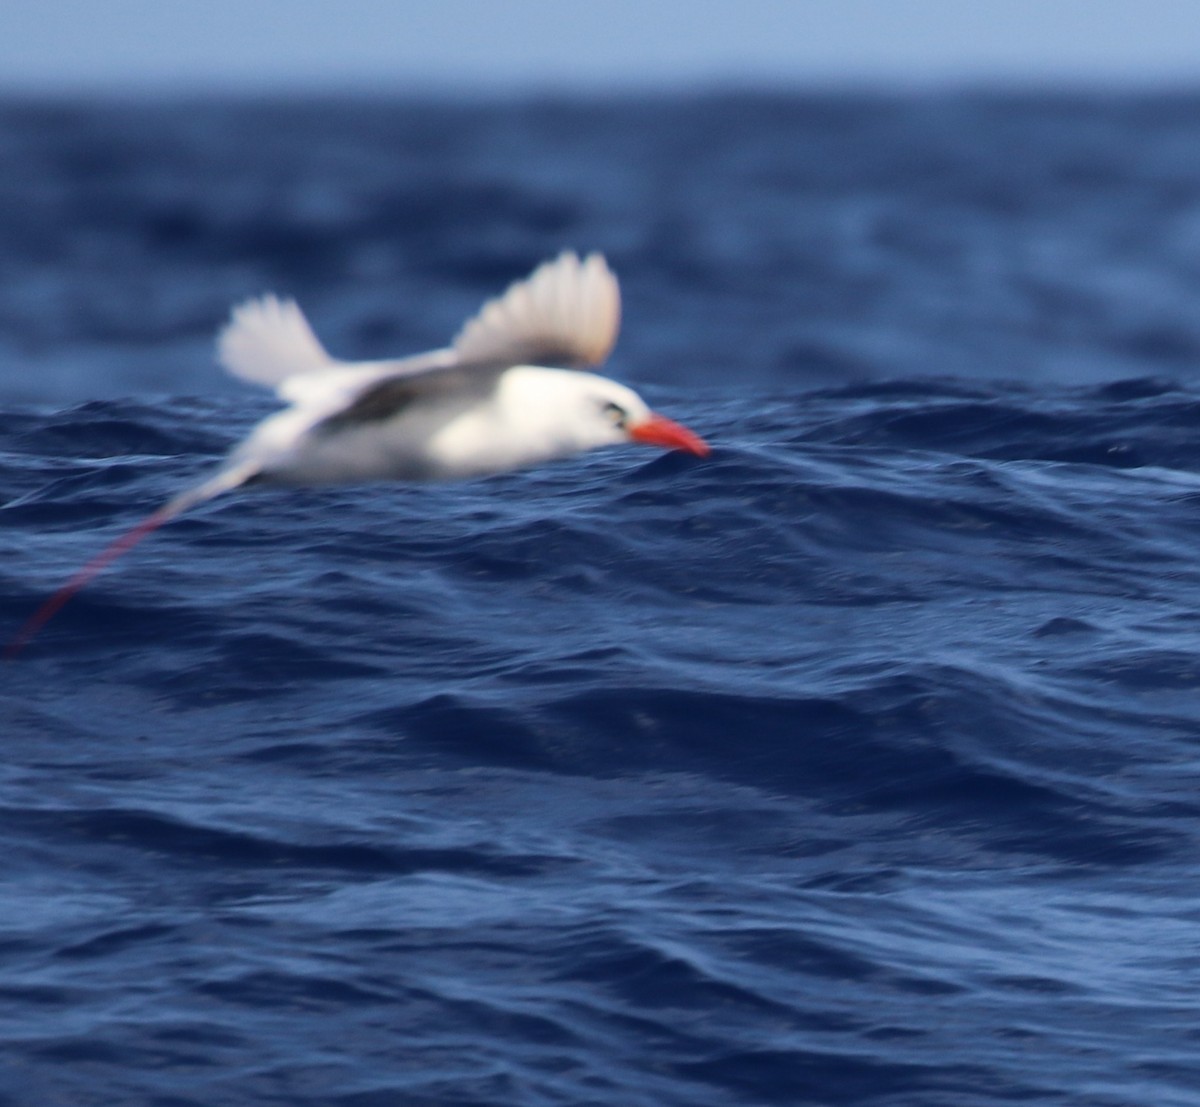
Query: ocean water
(858, 763)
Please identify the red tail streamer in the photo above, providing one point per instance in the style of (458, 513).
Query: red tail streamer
(55, 603)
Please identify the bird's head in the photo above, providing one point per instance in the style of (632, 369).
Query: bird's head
(608, 413)
(544, 413)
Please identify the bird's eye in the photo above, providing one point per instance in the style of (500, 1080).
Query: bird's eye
(615, 414)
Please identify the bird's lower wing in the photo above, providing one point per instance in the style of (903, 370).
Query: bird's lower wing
(268, 341)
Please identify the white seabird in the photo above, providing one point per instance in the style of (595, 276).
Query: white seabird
(510, 391)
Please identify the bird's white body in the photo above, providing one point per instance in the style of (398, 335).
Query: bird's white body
(510, 391)
(488, 403)
(524, 421)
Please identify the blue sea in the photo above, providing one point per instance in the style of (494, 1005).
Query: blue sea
(857, 764)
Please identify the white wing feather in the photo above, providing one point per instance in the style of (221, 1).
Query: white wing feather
(567, 312)
(268, 340)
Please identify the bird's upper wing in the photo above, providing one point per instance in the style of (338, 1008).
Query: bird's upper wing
(566, 313)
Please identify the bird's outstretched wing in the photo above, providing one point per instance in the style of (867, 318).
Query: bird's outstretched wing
(268, 340)
(566, 313)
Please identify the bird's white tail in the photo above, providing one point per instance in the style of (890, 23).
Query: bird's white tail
(223, 481)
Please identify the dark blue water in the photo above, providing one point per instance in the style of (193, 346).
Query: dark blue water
(857, 764)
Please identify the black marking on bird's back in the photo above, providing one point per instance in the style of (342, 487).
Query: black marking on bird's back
(391, 396)
(378, 403)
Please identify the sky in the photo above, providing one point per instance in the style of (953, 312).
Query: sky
(478, 45)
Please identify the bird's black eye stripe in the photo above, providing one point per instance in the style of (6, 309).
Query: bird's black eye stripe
(615, 413)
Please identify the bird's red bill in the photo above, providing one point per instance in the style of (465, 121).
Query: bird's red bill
(658, 430)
